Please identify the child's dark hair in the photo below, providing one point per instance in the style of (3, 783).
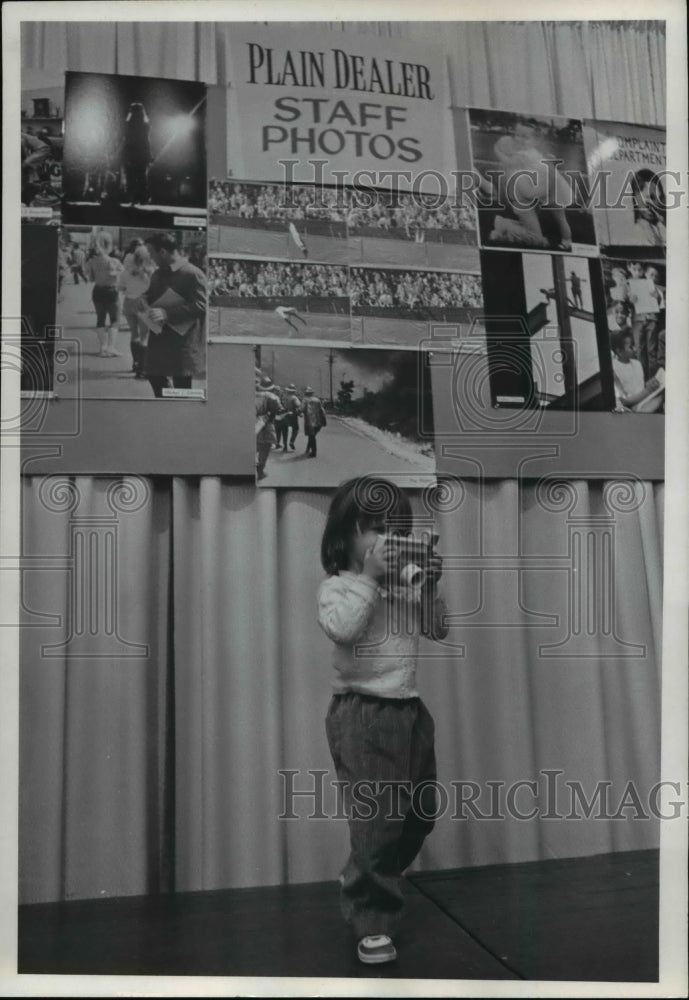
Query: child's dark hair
(361, 502)
(618, 339)
(656, 196)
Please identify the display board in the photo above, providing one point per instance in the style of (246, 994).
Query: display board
(449, 278)
(214, 436)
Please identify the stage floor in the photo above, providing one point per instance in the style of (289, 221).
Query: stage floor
(582, 918)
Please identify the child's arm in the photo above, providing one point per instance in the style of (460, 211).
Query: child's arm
(345, 607)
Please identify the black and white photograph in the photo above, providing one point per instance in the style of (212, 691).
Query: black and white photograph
(323, 414)
(345, 641)
(42, 142)
(297, 221)
(533, 182)
(554, 356)
(134, 152)
(252, 297)
(38, 302)
(635, 305)
(403, 307)
(411, 228)
(630, 161)
(133, 304)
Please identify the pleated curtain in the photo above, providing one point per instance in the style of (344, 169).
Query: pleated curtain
(596, 69)
(166, 765)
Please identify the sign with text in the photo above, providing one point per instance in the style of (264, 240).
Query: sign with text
(363, 104)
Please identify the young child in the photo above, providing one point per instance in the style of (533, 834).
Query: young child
(619, 290)
(379, 731)
(647, 298)
(630, 388)
(618, 318)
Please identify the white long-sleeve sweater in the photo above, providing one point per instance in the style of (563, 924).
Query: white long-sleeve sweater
(376, 635)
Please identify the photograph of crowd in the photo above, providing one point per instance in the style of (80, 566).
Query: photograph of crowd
(632, 161)
(42, 110)
(396, 306)
(533, 182)
(297, 221)
(323, 414)
(38, 303)
(546, 346)
(335, 224)
(278, 298)
(135, 150)
(133, 302)
(411, 228)
(635, 302)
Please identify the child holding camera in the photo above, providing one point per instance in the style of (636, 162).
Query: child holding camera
(374, 608)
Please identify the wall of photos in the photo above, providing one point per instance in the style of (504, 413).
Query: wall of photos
(411, 289)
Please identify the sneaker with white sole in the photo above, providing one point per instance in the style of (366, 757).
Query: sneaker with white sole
(376, 948)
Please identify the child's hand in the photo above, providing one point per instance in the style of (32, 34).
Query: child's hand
(653, 383)
(376, 560)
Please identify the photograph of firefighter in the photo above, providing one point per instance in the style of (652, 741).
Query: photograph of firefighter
(556, 354)
(134, 151)
(324, 412)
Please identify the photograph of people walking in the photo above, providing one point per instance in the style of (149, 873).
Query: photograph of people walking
(322, 412)
(113, 284)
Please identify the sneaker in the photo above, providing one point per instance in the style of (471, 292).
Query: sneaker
(376, 949)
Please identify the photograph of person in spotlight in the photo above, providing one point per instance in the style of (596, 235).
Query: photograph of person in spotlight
(398, 305)
(295, 221)
(134, 151)
(109, 283)
(322, 412)
(254, 297)
(635, 301)
(527, 197)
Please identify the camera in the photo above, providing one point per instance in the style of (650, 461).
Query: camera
(412, 558)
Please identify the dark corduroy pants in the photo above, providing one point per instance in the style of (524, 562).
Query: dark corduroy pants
(383, 753)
